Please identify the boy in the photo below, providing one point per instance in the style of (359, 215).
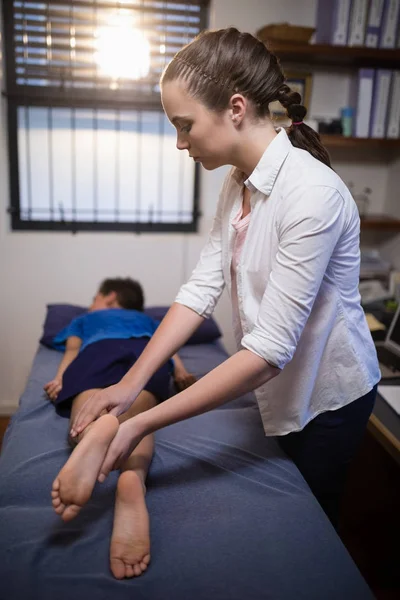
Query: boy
(100, 347)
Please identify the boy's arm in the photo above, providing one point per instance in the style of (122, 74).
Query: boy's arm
(72, 348)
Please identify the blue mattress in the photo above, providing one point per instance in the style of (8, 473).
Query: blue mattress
(231, 517)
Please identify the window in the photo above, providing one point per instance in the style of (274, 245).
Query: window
(89, 145)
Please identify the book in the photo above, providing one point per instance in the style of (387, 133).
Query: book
(332, 22)
(393, 122)
(374, 23)
(380, 103)
(358, 20)
(390, 21)
(361, 99)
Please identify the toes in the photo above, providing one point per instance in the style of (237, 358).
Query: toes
(146, 559)
(117, 568)
(56, 485)
(59, 509)
(129, 571)
(120, 569)
(55, 494)
(70, 512)
(137, 570)
(56, 502)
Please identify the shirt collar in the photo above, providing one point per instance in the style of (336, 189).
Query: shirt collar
(264, 175)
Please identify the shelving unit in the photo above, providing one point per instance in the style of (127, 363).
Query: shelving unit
(338, 56)
(339, 141)
(348, 148)
(380, 222)
(378, 149)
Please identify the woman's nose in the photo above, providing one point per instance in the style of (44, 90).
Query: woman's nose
(182, 144)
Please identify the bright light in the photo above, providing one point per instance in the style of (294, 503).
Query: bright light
(122, 51)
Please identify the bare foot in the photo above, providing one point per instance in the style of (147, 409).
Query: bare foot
(74, 484)
(130, 541)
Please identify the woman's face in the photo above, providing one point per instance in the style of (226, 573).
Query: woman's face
(208, 136)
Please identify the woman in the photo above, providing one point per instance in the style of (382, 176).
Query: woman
(285, 241)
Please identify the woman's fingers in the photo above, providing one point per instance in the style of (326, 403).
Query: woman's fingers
(88, 413)
(108, 465)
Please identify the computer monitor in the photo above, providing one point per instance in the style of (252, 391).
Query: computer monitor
(393, 336)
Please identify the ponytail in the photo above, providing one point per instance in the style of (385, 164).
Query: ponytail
(300, 134)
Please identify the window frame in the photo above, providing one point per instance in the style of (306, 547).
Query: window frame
(18, 96)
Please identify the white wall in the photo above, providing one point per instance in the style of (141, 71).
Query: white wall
(38, 268)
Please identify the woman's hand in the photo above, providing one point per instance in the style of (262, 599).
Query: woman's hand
(115, 400)
(129, 435)
(183, 379)
(53, 388)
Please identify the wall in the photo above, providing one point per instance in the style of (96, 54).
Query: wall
(40, 268)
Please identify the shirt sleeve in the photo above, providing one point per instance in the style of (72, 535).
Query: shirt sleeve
(206, 284)
(75, 328)
(308, 234)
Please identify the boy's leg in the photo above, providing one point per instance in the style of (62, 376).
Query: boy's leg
(130, 540)
(74, 484)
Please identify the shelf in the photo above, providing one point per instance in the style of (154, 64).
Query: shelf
(380, 222)
(340, 141)
(343, 148)
(340, 56)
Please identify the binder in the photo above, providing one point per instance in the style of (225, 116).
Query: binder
(374, 23)
(390, 22)
(332, 22)
(380, 103)
(393, 125)
(358, 20)
(361, 98)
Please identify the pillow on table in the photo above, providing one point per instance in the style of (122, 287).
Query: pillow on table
(207, 332)
(59, 316)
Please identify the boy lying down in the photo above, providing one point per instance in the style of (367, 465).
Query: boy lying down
(100, 347)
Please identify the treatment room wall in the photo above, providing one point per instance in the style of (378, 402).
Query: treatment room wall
(39, 268)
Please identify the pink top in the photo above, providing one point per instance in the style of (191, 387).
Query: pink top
(241, 226)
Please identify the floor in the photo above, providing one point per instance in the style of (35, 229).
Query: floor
(370, 517)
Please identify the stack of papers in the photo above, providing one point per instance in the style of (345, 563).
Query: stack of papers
(391, 393)
(373, 323)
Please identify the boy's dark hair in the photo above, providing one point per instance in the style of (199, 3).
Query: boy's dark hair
(129, 292)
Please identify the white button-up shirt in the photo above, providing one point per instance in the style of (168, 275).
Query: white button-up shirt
(297, 284)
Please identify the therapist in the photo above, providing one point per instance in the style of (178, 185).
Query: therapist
(285, 242)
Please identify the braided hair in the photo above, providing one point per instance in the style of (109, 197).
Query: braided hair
(218, 64)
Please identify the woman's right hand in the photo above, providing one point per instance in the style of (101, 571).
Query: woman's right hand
(115, 400)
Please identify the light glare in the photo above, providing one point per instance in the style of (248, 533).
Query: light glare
(122, 51)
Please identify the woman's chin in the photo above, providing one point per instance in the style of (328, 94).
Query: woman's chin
(209, 164)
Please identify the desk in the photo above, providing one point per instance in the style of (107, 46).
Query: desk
(384, 425)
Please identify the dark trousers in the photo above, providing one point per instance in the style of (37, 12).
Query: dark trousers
(322, 451)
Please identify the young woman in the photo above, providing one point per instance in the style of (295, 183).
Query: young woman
(285, 241)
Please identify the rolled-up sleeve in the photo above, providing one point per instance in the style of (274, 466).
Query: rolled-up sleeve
(308, 232)
(206, 284)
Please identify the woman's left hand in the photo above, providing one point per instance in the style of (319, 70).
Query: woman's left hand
(128, 436)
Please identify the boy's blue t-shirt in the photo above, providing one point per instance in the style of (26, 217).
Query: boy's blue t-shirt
(109, 323)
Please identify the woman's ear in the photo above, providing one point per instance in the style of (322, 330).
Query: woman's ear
(238, 107)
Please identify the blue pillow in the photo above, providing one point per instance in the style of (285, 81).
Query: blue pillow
(60, 315)
(205, 334)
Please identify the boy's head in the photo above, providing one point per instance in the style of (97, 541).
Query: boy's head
(119, 293)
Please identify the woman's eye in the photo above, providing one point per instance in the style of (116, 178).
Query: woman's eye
(186, 129)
